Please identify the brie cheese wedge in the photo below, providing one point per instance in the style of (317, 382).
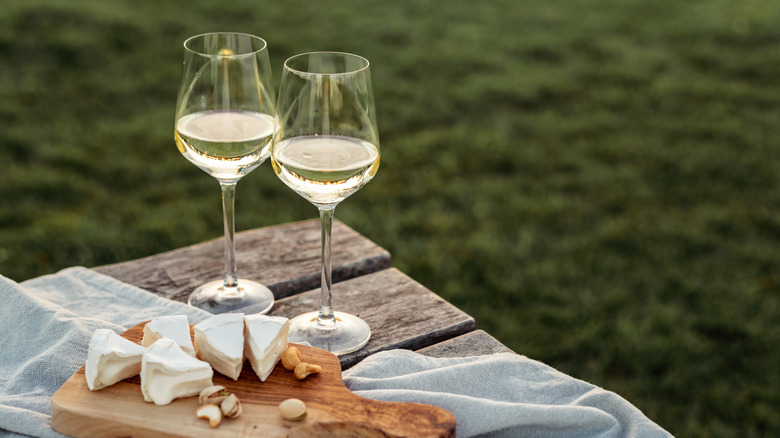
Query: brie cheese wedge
(167, 373)
(220, 342)
(111, 358)
(175, 327)
(265, 339)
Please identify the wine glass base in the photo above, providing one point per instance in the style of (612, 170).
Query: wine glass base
(248, 297)
(349, 334)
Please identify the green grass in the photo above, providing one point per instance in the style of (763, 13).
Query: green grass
(596, 182)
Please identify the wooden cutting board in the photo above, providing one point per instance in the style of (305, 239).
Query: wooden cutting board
(120, 410)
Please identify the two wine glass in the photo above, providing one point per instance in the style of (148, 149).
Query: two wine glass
(321, 136)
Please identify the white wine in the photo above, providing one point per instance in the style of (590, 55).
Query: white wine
(325, 169)
(225, 144)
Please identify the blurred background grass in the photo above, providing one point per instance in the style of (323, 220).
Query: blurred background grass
(595, 181)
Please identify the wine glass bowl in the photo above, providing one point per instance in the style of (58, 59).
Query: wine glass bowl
(326, 169)
(225, 123)
(326, 149)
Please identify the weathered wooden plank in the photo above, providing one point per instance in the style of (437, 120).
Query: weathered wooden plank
(286, 258)
(401, 312)
(476, 343)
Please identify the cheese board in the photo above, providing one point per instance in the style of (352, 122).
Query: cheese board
(333, 410)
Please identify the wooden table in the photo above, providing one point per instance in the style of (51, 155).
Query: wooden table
(401, 312)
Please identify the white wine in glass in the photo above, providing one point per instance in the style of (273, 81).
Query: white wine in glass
(225, 123)
(326, 149)
(226, 144)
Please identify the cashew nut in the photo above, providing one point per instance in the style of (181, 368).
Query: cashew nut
(210, 412)
(291, 358)
(303, 370)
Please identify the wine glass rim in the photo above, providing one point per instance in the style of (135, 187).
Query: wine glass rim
(202, 35)
(302, 72)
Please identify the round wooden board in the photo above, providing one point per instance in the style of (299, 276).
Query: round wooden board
(333, 410)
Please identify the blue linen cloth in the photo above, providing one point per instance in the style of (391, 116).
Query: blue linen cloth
(500, 395)
(46, 324)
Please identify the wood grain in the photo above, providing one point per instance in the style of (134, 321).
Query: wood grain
(401, 312)
(333, 410)
(476, 343)
(285, 258)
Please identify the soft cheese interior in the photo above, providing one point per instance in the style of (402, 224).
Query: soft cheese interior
(175, 327)
(220, 342)
(167, 373)
(265, 339)
(110, 359)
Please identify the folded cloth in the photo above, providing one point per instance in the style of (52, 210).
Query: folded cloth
(500, 395)
(45, 327)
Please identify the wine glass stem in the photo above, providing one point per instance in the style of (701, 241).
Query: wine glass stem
(229, 218)
(326, 319)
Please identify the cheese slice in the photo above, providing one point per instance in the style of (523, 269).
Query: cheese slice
(110, 359)
(175, 327)
(265, 339)
(167, 373)
(220, 342)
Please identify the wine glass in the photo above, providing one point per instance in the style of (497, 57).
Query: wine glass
(326, 149)
(225, 122)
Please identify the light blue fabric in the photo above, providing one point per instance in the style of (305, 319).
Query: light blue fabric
(500, 395)
(46, 324)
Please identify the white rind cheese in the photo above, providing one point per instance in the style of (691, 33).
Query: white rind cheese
(111, 358)
(220, 342)
(265, 339)
(175, 327)
(168, 373)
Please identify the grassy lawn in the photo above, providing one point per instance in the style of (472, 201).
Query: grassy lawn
(596, 182)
